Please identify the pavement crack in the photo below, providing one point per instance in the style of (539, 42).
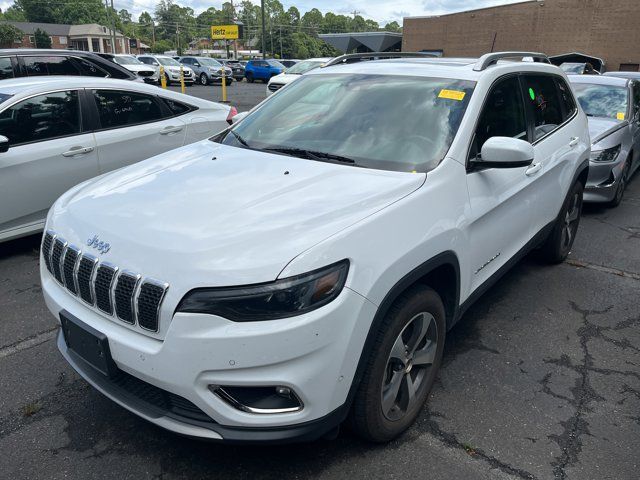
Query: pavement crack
(602, 268)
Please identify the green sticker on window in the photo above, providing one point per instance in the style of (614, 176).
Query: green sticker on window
(532, 94)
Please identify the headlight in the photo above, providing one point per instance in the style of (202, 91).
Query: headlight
(269, 301)
(606, 155)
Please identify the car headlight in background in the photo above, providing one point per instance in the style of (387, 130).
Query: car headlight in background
(606, 155)
(269, 301)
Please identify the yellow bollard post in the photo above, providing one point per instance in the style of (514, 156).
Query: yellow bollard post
(224, 85)
(182, 78)
(163, 78)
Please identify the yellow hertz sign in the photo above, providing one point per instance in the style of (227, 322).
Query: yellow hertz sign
(224, 32)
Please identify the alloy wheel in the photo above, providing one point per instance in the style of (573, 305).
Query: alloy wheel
(411, 357)
(571, 218)
(203, 79)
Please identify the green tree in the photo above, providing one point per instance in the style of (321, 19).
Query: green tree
(69, 11)
(42, 39)
(14, 14)
(392, 27)
(8, 33)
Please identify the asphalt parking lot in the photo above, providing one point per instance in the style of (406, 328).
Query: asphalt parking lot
(540, 380)
(241, 95)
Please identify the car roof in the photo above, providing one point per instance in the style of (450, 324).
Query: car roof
(599, 80)
(43, 51)
(442, 67)
(632, 75)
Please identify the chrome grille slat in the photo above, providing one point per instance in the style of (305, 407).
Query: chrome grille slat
(57, 252)
(125, 295)
(102, 285)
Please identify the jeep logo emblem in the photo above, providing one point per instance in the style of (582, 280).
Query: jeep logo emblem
(95, 242)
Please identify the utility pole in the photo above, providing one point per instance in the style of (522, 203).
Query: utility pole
(355, 13)
(177, 38)
(113, 24)
(280, 28)
(264, 43)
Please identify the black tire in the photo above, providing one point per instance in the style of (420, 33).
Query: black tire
(250, 78)
(558, 245)
(204, 79)
(168, 81)
(622, 186)
(370, 416)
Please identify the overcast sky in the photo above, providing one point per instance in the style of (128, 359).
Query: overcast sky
(381, 11)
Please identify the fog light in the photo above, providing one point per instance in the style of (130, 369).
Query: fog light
(259, 400)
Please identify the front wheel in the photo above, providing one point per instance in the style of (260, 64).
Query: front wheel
(402, 366)
(622, 185)
(557, 247)
(250, 78)
(204, 80)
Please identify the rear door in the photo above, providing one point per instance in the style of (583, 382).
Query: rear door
(49, 153)
(501, 199)
(133, 126)
(559, 142)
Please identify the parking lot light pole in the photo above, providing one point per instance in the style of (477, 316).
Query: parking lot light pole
(264, 53)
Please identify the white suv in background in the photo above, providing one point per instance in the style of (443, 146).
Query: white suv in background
(171, 68)
(305, 265)
(293, 73)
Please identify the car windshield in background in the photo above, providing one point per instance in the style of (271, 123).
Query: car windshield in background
(275, 63)
(389, 122)
(127, 60)
(573, 67)
(303, 67)
(602, 100)
(4, 97)
(209, 62)
(168, 61)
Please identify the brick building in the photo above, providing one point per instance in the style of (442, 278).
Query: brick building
(602, 28)
(88, 37)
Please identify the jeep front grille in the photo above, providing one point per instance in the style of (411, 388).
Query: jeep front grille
(123, 294)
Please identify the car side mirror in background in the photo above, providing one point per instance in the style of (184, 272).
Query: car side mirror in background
(504, 152)
(196, 64)
(4, 144)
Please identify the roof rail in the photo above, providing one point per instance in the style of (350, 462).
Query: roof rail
(489, 59)
(358, 57)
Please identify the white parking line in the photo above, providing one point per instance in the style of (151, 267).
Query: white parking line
(28, 343)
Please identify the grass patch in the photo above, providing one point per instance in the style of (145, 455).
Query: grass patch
(31, 409)
(469, 449)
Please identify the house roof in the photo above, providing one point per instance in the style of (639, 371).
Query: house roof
(51, 28)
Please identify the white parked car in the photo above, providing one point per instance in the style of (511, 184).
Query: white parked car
(148, 73)
(171, 68)
(293, 73)
(306, 264)
(56, 132)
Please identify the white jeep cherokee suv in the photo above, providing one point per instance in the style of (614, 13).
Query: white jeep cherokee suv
(305, 265)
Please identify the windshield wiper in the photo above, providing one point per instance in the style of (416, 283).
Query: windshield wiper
(242, 141)
(312, 154)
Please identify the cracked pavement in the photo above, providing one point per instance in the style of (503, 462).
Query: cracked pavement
(540, 380)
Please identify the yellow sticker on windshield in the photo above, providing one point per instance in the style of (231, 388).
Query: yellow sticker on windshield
(620, 116)
(452, 94)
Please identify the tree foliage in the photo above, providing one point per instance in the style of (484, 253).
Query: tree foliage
(8, 33)
(288, 33)
(42, 39)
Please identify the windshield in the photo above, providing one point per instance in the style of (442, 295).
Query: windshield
(275, 63)
(209, 62)
(127, 60)
(602, 100)
(573, 67)
(389, 122)
(168, 61)
(303, 67)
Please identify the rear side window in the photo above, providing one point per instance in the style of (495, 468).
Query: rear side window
(6, 68)
(49, 66)
(503, 115)
(89, 69)
(544, 101)
(43, 117)
(566, 98)
(122, 109)
(177, 108)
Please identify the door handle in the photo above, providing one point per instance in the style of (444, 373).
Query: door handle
(75, 151)
(533, 169)
(169, 130)
(574, 141)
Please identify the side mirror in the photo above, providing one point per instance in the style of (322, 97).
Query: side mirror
(236, 118)
(196, 64)
(505, 152)
(4, 144)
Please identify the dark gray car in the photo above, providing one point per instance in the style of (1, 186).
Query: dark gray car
(613, 108)
(208, 70)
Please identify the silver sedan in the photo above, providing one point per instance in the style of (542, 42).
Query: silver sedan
(613, 107)
(56, 132)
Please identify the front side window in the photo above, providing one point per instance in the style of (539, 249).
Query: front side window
(209, 62)
(569, 105)
(544, 101)
(503, 115)
(274, 63)
(49, 66)
(122, 109)
(603, 100)
(166, 61)
(127, 60)
(148, 61)
(90, 69)
(6, 68)
(43, 117)
(389, 122)
(304, 66)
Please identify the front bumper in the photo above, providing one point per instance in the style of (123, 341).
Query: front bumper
(175, 77)
(315, 355)
(603, 181)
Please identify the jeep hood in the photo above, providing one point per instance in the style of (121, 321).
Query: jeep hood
(601, 127)
(221, 215)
